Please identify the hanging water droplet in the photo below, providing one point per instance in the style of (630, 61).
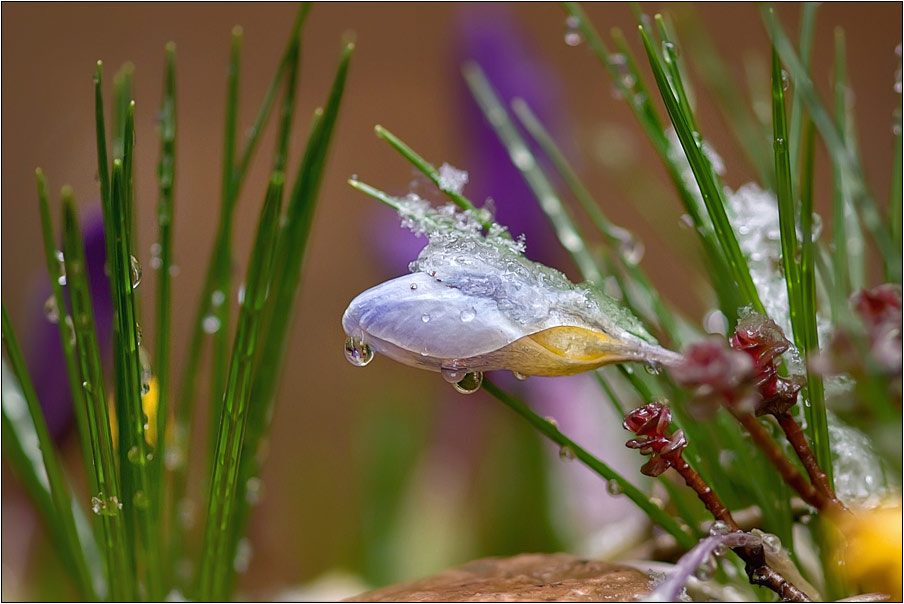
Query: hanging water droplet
(51, 311)
(719, 527)
(70, 330)
(134, 455)
(425, 318)
(357, 352)
(652, 368)
(452, 375)
(669, 49)
(61, 262)
(253, 488)
(136, 271)
(145, 388)
(138, 333)
(786, 80)
(240, 296)
(520, 376)
(631, 249)
(470, 383)
(210, 324)
(141, 500)
(720, 550)
(572, 31)
(613, 487)
(686, 221)
(467, 315)
(566, 453)
(156, 260)
(707, 568)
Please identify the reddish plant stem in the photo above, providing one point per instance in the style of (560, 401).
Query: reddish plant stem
(795, 435)
(777, 458)
(706, 494)
(754, 557)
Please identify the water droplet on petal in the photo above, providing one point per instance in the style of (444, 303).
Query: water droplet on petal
(467, 315)
(357, 352)
(652, 368)
(720, 550)
(772, 544)
(520, 376)
(715, 322)
(470, 383)
(719, 527)
(452, 375)
(425, 318)
(413, 286)
(136, 271)
(51, 311)
(566, 453)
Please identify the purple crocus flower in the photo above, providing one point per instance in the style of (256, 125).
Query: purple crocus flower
(44, 350)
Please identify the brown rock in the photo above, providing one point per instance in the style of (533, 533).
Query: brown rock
(523, 578)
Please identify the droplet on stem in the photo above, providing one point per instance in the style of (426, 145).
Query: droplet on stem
(136, 271)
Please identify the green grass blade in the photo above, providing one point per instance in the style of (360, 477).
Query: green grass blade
(122, 95)
(209, 318)
(162, 260)
(840, 152)
(61, 520)
(523, 159)
(216, 564)
(817, 424)
(64, 320)
(107, 500)
(287, 271)
(549, 430)
(673, 67)
(787, 211)
(428, 170)
(134, 451)
(710, 188)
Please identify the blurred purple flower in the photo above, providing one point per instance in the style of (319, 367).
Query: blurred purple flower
(44, 350)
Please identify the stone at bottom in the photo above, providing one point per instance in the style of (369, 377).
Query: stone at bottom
(523, 578)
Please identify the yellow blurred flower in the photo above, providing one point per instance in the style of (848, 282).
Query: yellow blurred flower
(872, 552)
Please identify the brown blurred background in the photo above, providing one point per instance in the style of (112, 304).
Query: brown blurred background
(404, 75)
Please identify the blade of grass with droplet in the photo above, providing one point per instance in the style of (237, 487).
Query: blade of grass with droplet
(64, 321)
(616, 236)
(787, 211)
(841, 153)
(294, 233)
(710, 188)
(550, 431)
(135, 454)
(113, 541)
(522, 158)
(817, 423)
(220, 257)
(60, 519)
(216, 563)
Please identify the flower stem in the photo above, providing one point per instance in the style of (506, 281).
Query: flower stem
(795, 435)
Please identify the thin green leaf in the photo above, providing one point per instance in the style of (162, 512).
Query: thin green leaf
(787, 211)
(60, 520)
(294, 232)
(549, 430)
(107, 499)
(428, 170)
(55, 269)
(817, 424)
(796, 127)
(523, 159)
(840, 152)
(216, 565)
